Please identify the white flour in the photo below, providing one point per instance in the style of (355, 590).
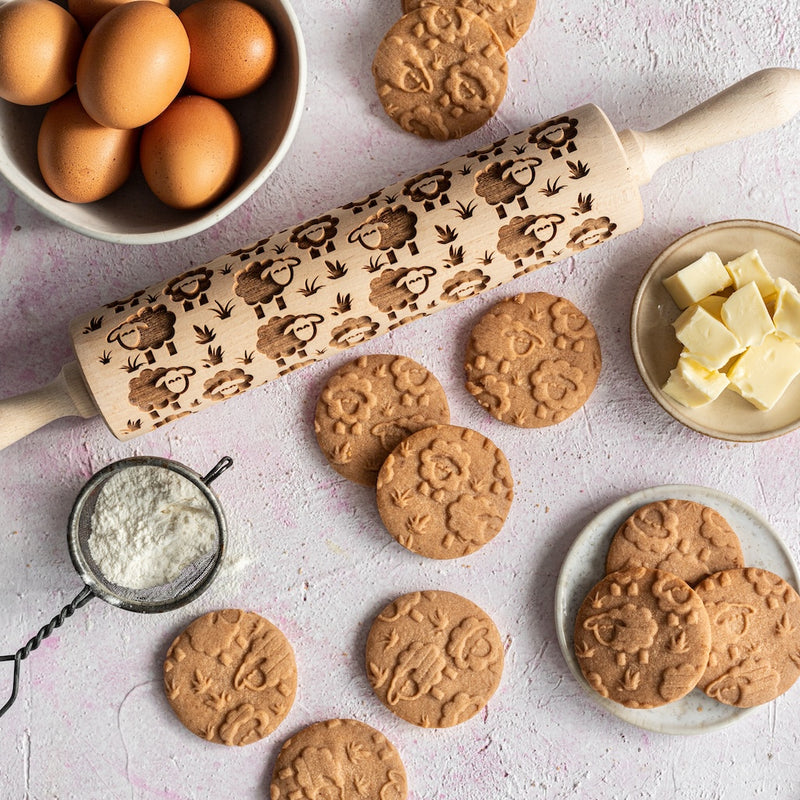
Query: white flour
(150, 523)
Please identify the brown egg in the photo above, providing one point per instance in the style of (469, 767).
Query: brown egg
(80, 160)
(40, 43)
(190, 154)
(133, 64)
(233, 47)
(87, 12)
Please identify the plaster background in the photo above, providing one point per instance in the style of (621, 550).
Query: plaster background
(307, 547)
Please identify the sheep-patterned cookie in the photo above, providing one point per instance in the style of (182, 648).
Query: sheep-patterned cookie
(368, 406)
(434, 658)
(445, 491)
(338, 758)
(686, 538)
(642, 637)
(230, 677)
(755, 636)
(440, 73)
(532, 360)
(509, 18)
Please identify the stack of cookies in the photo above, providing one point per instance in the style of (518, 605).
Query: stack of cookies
(678, 609)
(441, 70)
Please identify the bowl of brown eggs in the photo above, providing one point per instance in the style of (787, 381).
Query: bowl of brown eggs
(139, 122)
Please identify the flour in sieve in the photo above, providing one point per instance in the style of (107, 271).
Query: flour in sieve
(149, 523)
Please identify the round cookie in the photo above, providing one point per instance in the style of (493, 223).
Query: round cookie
(338, 758)
(445, 491)
(532, 360)
(230, 677)
(440, 73)
(755, 636)
(642, 637)
(509, 18)
(434, 658)
(370, 405)
(686, 538)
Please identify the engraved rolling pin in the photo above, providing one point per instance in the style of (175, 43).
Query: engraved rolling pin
(398, 254)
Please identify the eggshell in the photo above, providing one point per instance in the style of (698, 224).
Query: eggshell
(88, 12)
(40, 43)
(133, 64)
(233, 47)
(190, 154)
(80, 160)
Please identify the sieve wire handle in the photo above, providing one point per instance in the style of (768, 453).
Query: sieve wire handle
(217, 469)
(85, 595)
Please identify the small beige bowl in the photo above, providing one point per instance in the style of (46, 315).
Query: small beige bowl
(268, 119)
(656, 349)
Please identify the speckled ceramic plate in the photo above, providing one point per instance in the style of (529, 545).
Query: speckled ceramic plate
(585, 565)
(656, 349)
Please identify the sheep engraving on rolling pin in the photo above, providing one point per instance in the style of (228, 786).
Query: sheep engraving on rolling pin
(348, 275)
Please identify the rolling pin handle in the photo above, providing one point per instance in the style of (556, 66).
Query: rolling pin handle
(66, 396)
(761, 101)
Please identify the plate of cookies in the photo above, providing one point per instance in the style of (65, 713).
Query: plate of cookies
(677, 610)
(715, 330)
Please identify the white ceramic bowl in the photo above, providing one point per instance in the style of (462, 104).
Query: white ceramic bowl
(656, 349)
(268, 119)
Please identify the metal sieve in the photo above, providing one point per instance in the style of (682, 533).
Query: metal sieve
(193, 580)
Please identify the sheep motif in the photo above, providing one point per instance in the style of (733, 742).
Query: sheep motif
(394, 289)
(118, 306)
(428, 187)
(358, 206)
(155, 389)
(352, 331)
(463, 285)
(149, 329)
(483, 153)
(390, 229)
(227, 383)
(555, 135)
(628, 630)
(316, 235)
(262, 281)
(189, 287)
(255, 249)
(590, 233)
(502, 181)
(526, 236)
(571, 327)
(282, 337)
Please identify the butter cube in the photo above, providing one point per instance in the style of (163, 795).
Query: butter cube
(697, 280)
(787, 309)
(713, 304)
(692, 385)
(764, 371)
(745, 315)
(750, 267)
(705, 337)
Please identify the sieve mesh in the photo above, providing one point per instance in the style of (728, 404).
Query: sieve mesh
(185, 587)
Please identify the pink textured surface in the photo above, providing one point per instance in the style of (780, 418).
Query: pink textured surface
(308, 550)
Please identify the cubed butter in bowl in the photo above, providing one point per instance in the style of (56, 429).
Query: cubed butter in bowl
(719, 349)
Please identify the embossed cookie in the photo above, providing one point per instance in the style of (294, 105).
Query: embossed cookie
(532, 360)
(445, 491)
(230, 677)
(338, 758)
(370, 405)
(642, 637)
(440, 73)
(688, 539)
(755, 636)
(509, 18)
(434, 658)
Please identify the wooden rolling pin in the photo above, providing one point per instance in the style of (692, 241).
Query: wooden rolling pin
(394, 256)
